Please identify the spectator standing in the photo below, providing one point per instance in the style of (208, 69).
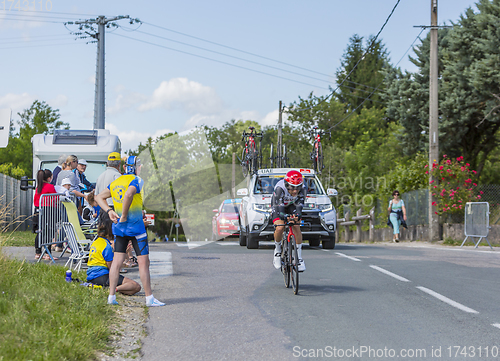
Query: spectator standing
(67, 172)
(85, 185)
(58, 168)
(397, 215)
(111, 173)
(43, 186)
(128, 226)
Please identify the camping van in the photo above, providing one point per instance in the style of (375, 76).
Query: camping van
(92, 145)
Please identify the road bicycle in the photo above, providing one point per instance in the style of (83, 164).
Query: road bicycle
(250, 155)
(317, 152)
(289, 255)
(275, 162)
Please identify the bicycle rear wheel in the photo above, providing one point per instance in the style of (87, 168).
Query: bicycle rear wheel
(285, 267)
(244, 162)
(320, 159)
(294, 264)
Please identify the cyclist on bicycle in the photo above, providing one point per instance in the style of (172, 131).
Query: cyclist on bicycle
(288, 198)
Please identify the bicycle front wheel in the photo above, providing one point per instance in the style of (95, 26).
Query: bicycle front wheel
(285, 266)
(294, 264)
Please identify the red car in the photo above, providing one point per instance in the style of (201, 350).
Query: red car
(225, 223)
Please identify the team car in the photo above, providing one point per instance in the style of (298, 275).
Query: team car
(225, 221)
(319, 217)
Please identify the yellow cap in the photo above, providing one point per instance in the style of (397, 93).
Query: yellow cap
(114, 156)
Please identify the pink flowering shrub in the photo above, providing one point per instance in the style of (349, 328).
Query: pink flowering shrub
(455, 186)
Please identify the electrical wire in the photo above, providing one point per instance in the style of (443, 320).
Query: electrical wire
(236, 49)
(360, 59)
(354, 111)
(232, 56)
(219, 61)
(36, 46)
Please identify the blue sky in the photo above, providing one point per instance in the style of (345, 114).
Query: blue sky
(151, 90)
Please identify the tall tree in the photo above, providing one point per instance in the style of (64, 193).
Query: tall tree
(360, 73)
(39, 118)
(469, 83)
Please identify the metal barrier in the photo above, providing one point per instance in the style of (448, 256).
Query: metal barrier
(52, 214)
(477, 220)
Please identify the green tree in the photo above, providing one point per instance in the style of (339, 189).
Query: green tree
(364, 74)
(469, 111)
(39, 118)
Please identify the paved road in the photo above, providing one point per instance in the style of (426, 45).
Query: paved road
(356, 302)
(225, 302)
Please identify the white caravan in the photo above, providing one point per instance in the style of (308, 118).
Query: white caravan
(92, 145)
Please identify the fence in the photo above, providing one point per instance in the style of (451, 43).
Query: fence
(16, 205)
(477, 220)
(417, 206)
(51, 217)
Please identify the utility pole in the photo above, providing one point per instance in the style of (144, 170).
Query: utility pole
(433, 120)
(280, 141)
(102, 23)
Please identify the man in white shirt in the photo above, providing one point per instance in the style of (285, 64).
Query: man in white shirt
(111, 173)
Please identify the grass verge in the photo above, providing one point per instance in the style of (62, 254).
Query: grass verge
(42, 317)
(19, 239)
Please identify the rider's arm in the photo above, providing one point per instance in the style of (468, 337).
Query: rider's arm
(301, 199)
(277, 205)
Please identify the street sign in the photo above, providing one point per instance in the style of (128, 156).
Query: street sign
(4, 127)
(150, 218)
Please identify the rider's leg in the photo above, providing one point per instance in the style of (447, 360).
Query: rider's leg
(298, 240)
(278, 234)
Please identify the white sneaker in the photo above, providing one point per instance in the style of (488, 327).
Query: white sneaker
(155, 303)
(277, 260)
(302, 265)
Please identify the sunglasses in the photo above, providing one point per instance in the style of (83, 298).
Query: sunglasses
(293, 188)
(396, 194)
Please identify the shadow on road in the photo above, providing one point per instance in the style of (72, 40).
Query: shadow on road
(318, 290)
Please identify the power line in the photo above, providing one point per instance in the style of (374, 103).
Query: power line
(354, 111)
(236, 49)
(219, 61)
(360, 59)
(36, 46)
(232, 56)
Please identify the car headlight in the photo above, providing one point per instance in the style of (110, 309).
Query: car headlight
(262, 207)
(325, 207)
(224, 221)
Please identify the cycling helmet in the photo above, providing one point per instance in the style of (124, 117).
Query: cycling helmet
(132, 164)
(293, 179)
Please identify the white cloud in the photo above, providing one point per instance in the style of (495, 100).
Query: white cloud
(131, 139)
(124, 100)
(184, 94)
(59, 101)
(16, 102)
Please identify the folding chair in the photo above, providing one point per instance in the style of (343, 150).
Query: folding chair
(74, 234)
(78, 255)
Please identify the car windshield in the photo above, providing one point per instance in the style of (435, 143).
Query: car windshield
(230, 208)
(265, 185)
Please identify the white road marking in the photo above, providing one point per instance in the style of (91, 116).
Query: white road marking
(447, 300)
(346, 256)
(160, 264)
(496, 325)
(193, 244)
(389, 273)
(228, 243)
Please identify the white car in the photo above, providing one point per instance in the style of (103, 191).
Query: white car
(318, 215)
